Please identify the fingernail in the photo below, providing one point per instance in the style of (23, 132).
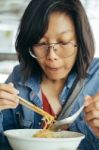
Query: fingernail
(11, 84)
(17, 91)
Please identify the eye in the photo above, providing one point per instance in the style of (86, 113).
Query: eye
(63, 43)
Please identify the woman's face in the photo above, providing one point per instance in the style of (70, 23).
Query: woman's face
(60, 30)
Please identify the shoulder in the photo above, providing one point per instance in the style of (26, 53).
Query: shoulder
(91, 86)
(16, 74)
(94, 66)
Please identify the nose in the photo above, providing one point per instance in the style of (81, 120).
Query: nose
(52, 53)
(52, 46)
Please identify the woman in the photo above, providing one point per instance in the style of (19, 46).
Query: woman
(55, 49)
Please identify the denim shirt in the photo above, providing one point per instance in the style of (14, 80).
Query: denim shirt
(22, 117)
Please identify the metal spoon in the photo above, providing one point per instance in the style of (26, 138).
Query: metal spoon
(65, 123)
(50, 120)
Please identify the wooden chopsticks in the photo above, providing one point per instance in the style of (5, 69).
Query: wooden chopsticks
(48, 118)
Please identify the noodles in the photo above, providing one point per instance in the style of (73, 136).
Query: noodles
(48, 119)
(44, 133)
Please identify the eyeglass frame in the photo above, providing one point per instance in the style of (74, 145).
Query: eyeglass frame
(51, 45)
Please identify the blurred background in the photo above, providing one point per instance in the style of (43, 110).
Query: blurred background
(10, 14)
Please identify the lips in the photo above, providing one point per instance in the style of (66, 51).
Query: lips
(53, 69)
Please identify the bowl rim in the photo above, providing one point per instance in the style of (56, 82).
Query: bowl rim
(8, 134)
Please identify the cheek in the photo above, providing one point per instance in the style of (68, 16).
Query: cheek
(69, 64)
(68, 68)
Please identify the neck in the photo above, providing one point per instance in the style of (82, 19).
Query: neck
(54, 85)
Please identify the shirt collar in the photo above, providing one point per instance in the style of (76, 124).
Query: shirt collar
(33, 83)
(71, 79)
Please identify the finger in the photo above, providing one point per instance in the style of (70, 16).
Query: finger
(11, 84)
(92, 103)
(92, 115)
(93, 106)
(88, 100)
(8, 96)
(5, 104)
(94, 123)
(8, 88)
(88, 103)
(8, 102)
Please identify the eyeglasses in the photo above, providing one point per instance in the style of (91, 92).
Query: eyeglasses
(62, 49)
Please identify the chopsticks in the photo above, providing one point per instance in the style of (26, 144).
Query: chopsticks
(49, 119)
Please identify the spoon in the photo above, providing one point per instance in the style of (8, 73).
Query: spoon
(66, 122)
(49, 119)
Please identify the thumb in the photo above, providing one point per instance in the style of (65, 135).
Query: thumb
(12, 85)
(88, 100)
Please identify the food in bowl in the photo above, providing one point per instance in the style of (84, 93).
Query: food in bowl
(45, 134)
(22, 139)
(51, 134)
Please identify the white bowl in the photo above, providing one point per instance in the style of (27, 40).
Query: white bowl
(21, 139)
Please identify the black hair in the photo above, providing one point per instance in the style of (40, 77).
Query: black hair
(34, 25)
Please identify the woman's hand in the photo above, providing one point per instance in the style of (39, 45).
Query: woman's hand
(8, 97)
(92, 112)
